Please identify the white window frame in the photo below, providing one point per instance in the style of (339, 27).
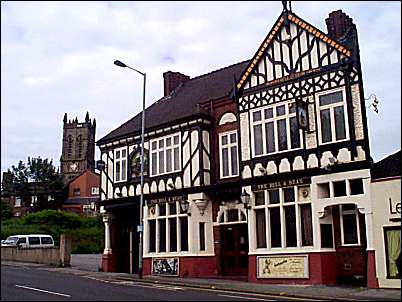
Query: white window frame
(332, 116)
(275, 120)
(228, 146)
(281, 205)
(94, 190)
(341, 213)
(18, 202)
(157, 217)
(123, 174)
(164, 149)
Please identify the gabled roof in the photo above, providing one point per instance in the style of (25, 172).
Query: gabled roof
(183, 102)
(387, 167)
(275, 29)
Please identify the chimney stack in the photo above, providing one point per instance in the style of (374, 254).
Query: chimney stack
(338, 23)
(172, 80)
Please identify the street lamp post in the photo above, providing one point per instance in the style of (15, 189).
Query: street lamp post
(140, 228)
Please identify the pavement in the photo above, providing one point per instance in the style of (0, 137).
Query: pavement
(321, 292)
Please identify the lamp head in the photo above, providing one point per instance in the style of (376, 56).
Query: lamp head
(118, 63)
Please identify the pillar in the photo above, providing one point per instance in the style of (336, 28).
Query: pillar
(108, 258)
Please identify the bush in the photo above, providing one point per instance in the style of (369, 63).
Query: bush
(87, 233)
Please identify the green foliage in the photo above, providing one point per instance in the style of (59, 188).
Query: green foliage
(6, 211)
(87, 233)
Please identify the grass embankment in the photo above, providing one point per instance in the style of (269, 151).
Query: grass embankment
(87, 233)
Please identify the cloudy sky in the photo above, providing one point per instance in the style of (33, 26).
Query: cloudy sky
(57, 57)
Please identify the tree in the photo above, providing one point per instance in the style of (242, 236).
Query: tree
(38, 177)
(6, 211)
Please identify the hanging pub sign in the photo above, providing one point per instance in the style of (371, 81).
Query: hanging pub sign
(282, 183)
(302, 114)
(135, 163)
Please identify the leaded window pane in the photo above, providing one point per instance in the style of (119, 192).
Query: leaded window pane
(275, 224)
(340, 130)
(154, 162)
(168, 160)
(331, 98)
(282, 135)
(161, 161)
(233, 156)
(257, 116)
(290, 224)
(176, 159)
(233, 138)
(258, 140)
(294, 133)
(326, 126)
(268, 113)
(260, 228)
(225, 161)
(270, 137)
(273, 196)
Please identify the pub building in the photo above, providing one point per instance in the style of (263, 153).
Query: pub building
(258, 171)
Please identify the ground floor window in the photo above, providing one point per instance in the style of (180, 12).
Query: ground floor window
(392, 238)
(282, 219)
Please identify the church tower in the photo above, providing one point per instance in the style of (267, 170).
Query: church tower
(78, 153)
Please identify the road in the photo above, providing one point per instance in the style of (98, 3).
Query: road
(19, 283)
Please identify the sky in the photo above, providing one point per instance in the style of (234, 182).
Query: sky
(57, 57)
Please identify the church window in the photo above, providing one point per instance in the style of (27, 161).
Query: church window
(79, 146)
(69, 146)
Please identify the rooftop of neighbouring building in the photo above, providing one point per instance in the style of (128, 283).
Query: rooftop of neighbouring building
(389, 166)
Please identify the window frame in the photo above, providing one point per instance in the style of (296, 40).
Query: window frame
(228, 146)
(385, 229)
(287, 116)
(120, 161)
(164, 149)
(348, 212)
(167, 216)
(332, 115)
(282, 205)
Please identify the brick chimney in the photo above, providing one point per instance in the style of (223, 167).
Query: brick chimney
(172, 80)
(338, 23)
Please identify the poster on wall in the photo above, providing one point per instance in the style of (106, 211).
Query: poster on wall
(282, 266)
(165, 266)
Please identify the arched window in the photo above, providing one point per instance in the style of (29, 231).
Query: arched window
(69, 146)
(79, 146)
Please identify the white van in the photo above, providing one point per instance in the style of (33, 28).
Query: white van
(27, 241)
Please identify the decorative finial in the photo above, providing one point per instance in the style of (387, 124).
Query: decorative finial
(65, 117)
(94, 122)
(76, 120)
(87, 117)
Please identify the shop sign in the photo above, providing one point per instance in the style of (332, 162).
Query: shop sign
(282, 266)
(168, 199)
(165, 266)
(282, 183)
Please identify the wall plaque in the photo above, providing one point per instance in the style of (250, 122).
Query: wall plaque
(282, 267)
(165, 266)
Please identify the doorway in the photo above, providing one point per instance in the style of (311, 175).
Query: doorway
(234, 240)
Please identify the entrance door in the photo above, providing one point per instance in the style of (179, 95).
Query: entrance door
(234, 249)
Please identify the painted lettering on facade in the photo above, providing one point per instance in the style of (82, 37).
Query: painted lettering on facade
(168, 199)
(283, 183)
(282, 266)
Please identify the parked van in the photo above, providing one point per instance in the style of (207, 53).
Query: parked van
(27, 241)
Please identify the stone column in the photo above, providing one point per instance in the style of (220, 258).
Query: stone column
(107, 219)
(65, 250)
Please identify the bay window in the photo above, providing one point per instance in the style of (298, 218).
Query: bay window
(275, 129)
(165, 155)
(228, 154)
(332, 121)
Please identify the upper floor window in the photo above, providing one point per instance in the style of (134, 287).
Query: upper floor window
(17, 202)
(120, 162)
(77, 192)
(228, 154)
(165, 155)
(275, 129)
(332, 120)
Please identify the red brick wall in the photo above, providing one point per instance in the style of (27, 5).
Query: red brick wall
(84, 182)
(322, 270)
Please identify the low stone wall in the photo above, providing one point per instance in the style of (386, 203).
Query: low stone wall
(58, 256)
(46, 255)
